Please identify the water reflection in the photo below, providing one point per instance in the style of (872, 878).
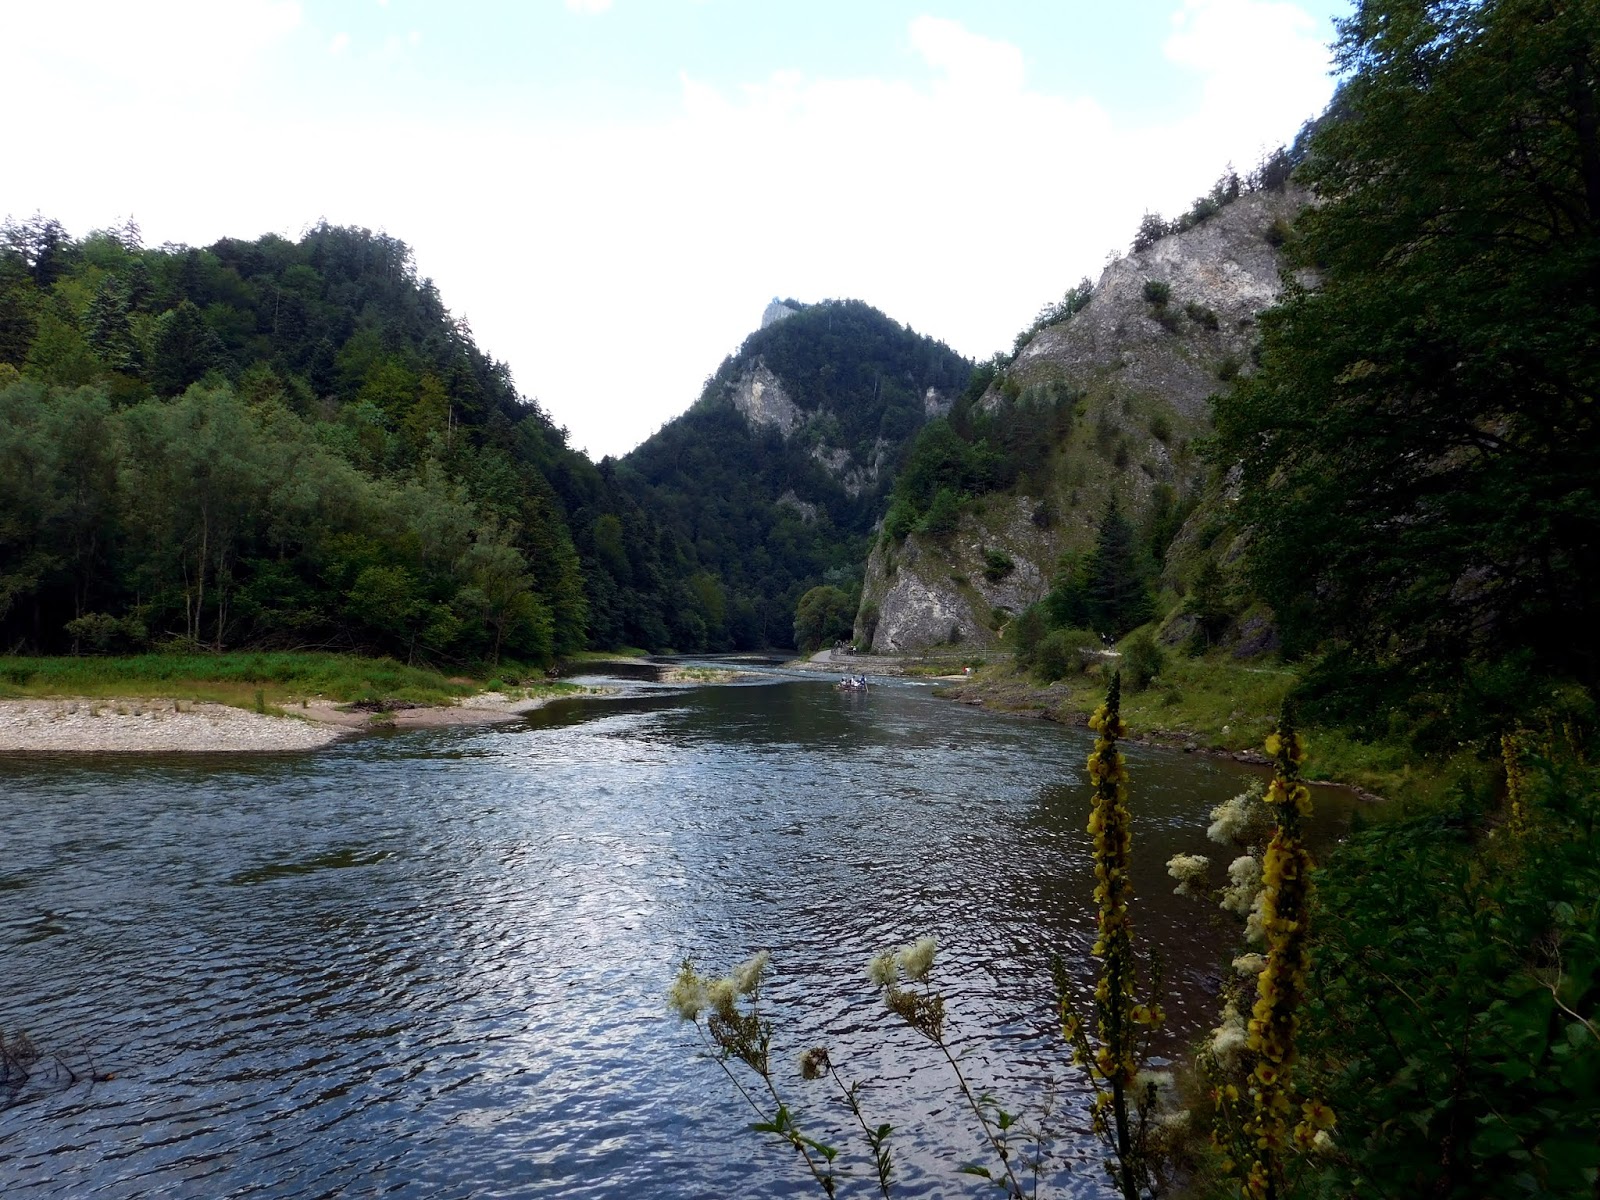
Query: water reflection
(433, 962)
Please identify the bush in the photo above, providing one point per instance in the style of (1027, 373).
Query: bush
(942, 515)
(1157, 292)
(1228, 368)
(1142, 661)
(1151, 230)
(102, 633)
(1453, 995)
(997, 564)
(1201, 315)
(1064, 652)
(1024, 635)
(1161, 428)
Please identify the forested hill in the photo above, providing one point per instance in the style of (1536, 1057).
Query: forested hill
(279, 443)
(774, 479)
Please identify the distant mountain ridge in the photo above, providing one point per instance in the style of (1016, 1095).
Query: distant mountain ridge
(776, 475)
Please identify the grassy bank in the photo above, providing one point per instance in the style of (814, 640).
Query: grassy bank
(1215, 703)
(245, 680)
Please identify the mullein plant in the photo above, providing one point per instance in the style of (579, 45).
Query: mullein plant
(1126, 1098)
(1262, 1122)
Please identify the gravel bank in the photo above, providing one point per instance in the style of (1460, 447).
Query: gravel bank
(127, 725)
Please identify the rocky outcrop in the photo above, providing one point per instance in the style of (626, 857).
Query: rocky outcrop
(1219, 275)
(759, 395)
(775, 312)
(1166, 328)
(960, 590)
(808, 513)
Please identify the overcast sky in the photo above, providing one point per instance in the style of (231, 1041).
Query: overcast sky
(612, 190)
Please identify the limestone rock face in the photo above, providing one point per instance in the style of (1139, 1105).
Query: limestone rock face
(759, 395)
(1138, 370)
(775, 312)
(1227, 266)
(961, 591)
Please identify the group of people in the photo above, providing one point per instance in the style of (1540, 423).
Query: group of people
(854, 683)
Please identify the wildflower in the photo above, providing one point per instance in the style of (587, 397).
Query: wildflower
(1189, 870)
(1146, 1014)
(1160, 1080)
(1255, 922)
(1322, 1143)
(687, 995)
(916, 960)
(883, 970)
(1319, 1114)
(1248, 965)
(814, 1063)
(747, 976)
(1242, 820)
(720, 995)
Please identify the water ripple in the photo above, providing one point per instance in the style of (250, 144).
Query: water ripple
(433, 964)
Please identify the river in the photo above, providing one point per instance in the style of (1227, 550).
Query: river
(434, 963)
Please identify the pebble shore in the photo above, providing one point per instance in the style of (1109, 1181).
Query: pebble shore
(129, 726)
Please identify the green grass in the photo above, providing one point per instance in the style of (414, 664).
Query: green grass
(583, 656)
(1224, 704)
(243, 680)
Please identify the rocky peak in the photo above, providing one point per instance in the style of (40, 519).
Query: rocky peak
(775, 312)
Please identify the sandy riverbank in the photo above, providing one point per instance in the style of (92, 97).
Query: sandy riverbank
(129, 725)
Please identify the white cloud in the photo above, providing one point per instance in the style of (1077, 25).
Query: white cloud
(339, 43)
(588, 6)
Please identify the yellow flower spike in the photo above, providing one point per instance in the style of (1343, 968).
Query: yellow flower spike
(1319, 1114)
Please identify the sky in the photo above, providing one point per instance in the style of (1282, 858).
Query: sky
(611, 191)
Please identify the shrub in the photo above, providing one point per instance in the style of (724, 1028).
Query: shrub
(1161, 428)
(997, 564)
(1151, 230)
(1142, 661)
(102, 633)
(1201, 315)
(1024, 635)
(1157, 292)
(942, 515)
(1064, 652)
(1228, 368)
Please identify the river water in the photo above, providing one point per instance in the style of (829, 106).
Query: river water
(433, 964)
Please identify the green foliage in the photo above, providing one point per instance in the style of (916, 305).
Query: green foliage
(1064, 652)
(1201, 315)
(1456, 985)
(714, 480)
(1208, 602)
(1025, 633)
(824, 615)
(1142, 660)
(1418, 446)
(997, 564)
(347, 470)
(1157, 291)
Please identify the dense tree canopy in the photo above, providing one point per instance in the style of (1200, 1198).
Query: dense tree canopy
(294, 444)
(773, 514)
(1419, 448)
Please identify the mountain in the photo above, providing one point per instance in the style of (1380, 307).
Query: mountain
(276, 443)
(774, 478)
(1102, 404)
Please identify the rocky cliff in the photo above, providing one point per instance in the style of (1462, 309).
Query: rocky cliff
(1165, 329)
